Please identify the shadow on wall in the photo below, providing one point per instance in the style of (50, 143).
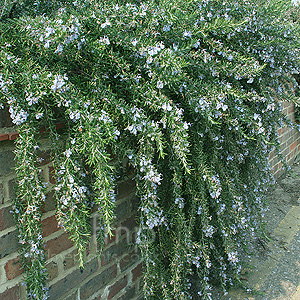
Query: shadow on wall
(5, 120)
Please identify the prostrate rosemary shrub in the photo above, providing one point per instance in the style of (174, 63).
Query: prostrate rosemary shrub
(294, 14)
(188, 91)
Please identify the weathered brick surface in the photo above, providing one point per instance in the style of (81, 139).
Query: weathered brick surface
(12, 189)
(11, 294)
(52, 270)
(117, 287)
(13, 268)
(49, 226)
(293, 145)
(113, 252)
(70, 260)
(140, 297)
(129, 294)
(3, 137)
(8, 244)
(137, 272)
(62, 287)
(78, 283)
(289, 139)
(98, 282)
(6, 218)
(128, 260)
(7, 162)
(73, 296)
(99, 297)
(57, 245)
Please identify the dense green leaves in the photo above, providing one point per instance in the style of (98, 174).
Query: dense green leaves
(187, 91)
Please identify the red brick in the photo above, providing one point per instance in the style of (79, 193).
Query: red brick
(6, 218)
(272, 154)
(11, 294)
(58, 244)
(3, 136)
(12, 136)
(137, 272)
(49, 225)
(13, 268)
(117, 287)
(293, 146)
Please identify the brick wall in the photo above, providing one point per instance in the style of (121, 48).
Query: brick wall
(290, 143)
(114, 275)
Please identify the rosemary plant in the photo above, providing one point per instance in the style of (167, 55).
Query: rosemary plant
(188, 91)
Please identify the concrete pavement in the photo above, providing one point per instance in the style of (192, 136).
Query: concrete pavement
(275, 262)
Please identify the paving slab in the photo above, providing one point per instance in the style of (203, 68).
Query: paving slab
(275, 261)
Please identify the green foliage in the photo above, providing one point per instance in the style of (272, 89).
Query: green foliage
(188, 91)
(297, 105)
